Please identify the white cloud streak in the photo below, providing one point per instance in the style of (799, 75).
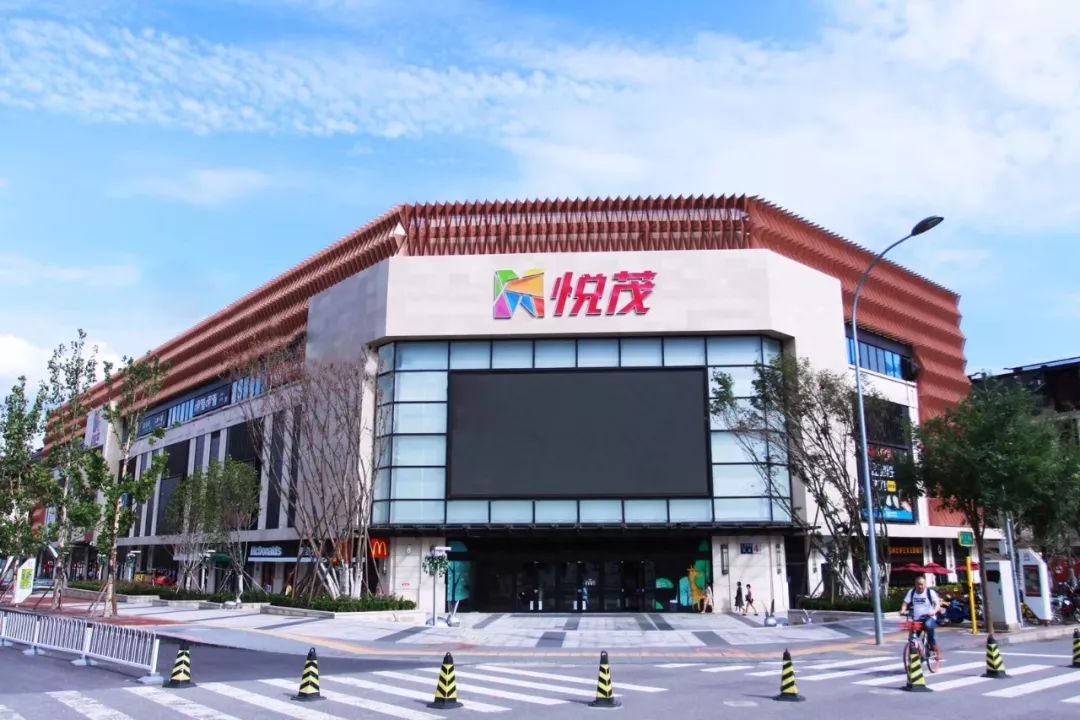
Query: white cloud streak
(21, 271)
(898, 109)
(206, 187)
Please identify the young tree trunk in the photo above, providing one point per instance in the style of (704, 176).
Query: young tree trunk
(60, 576)
(110, 584)
(980, 544)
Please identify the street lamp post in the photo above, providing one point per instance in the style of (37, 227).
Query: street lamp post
(875, 583)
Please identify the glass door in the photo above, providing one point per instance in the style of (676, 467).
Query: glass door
(569, 587)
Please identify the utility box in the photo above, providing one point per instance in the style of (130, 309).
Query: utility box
(1000, 595)
(1035, 576)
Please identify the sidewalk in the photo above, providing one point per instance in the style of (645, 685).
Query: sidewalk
(639, 635)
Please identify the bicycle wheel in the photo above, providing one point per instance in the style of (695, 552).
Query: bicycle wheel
(933, 659)
(912, 646)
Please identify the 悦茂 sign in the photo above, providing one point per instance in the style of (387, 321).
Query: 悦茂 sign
(621, 292)
(24, 580)
(207, 402)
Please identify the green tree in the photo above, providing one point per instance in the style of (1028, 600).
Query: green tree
(25, 483)
(801, 426)
(208, 511)
(989, 455)
(76, 469)
(233, 493)
(131, 391)
(189, 519)
(1053, 514)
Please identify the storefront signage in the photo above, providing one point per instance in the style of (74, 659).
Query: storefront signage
(272, 551)
(906, 550)
(25, 584)
(621, 292)
(95, 429)
(150, 423)
(212, 400)
(749, 549)
(883, 476)
(380, 549)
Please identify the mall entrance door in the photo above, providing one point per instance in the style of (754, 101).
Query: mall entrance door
(616, 575)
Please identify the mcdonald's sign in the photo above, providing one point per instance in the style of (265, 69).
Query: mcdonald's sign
(380, 549)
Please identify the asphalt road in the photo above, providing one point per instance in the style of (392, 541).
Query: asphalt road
(239, 684)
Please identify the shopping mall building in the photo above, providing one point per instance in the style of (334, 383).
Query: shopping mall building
(543, 383)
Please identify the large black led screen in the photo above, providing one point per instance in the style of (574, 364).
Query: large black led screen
(579, 433)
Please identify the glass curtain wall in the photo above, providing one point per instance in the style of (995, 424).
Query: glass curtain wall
(411, 432)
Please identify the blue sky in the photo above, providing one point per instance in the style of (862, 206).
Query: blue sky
(160, 159)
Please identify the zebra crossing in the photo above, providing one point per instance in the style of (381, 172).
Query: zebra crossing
(484, 690)
(883, 671)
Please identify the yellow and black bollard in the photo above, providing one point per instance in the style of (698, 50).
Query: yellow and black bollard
(181, 670)
(789, 690)
(916, 681)
(309, 681)
(1076, 649)
(446, 689)
(995, 666)
(605, 690)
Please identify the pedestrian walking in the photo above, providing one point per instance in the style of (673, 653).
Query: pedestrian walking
(738, 597)
(707, 601)
(749, 600)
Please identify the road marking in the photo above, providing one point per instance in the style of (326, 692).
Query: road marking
(566, 678)
(87, 706)
(1017, 654)
(181, 704)
(1035, 686)
(825, 666)
(373, 705)
(891, 665)
(672, 666)
(1067, 700)
(901, 677)
(483, 677)
(732, 668)
(9, 714)
(469, 689)
(291, 709)
(412, 694)
(740, 703)
(975, 680)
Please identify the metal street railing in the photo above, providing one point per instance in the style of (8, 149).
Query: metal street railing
(102, 642)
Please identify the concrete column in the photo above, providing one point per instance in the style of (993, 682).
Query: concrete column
(405, 577)
(763, 569)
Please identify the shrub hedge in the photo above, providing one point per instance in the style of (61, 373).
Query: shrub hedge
(890, 603)
(365, 604)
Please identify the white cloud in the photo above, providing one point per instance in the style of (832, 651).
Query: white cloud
(21, 271)
(896, 109)
(19, 356)
(210, 186)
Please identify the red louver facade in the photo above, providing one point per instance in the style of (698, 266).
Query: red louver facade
(896, 303)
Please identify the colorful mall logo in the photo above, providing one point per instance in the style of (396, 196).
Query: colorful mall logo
(590, 293)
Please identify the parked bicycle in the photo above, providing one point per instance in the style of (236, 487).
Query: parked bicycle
(917, 642)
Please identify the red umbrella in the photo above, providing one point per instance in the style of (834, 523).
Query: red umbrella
(910, 567)
(937, 569)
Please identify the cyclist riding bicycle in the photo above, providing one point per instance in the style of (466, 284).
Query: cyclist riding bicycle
(924, 604)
